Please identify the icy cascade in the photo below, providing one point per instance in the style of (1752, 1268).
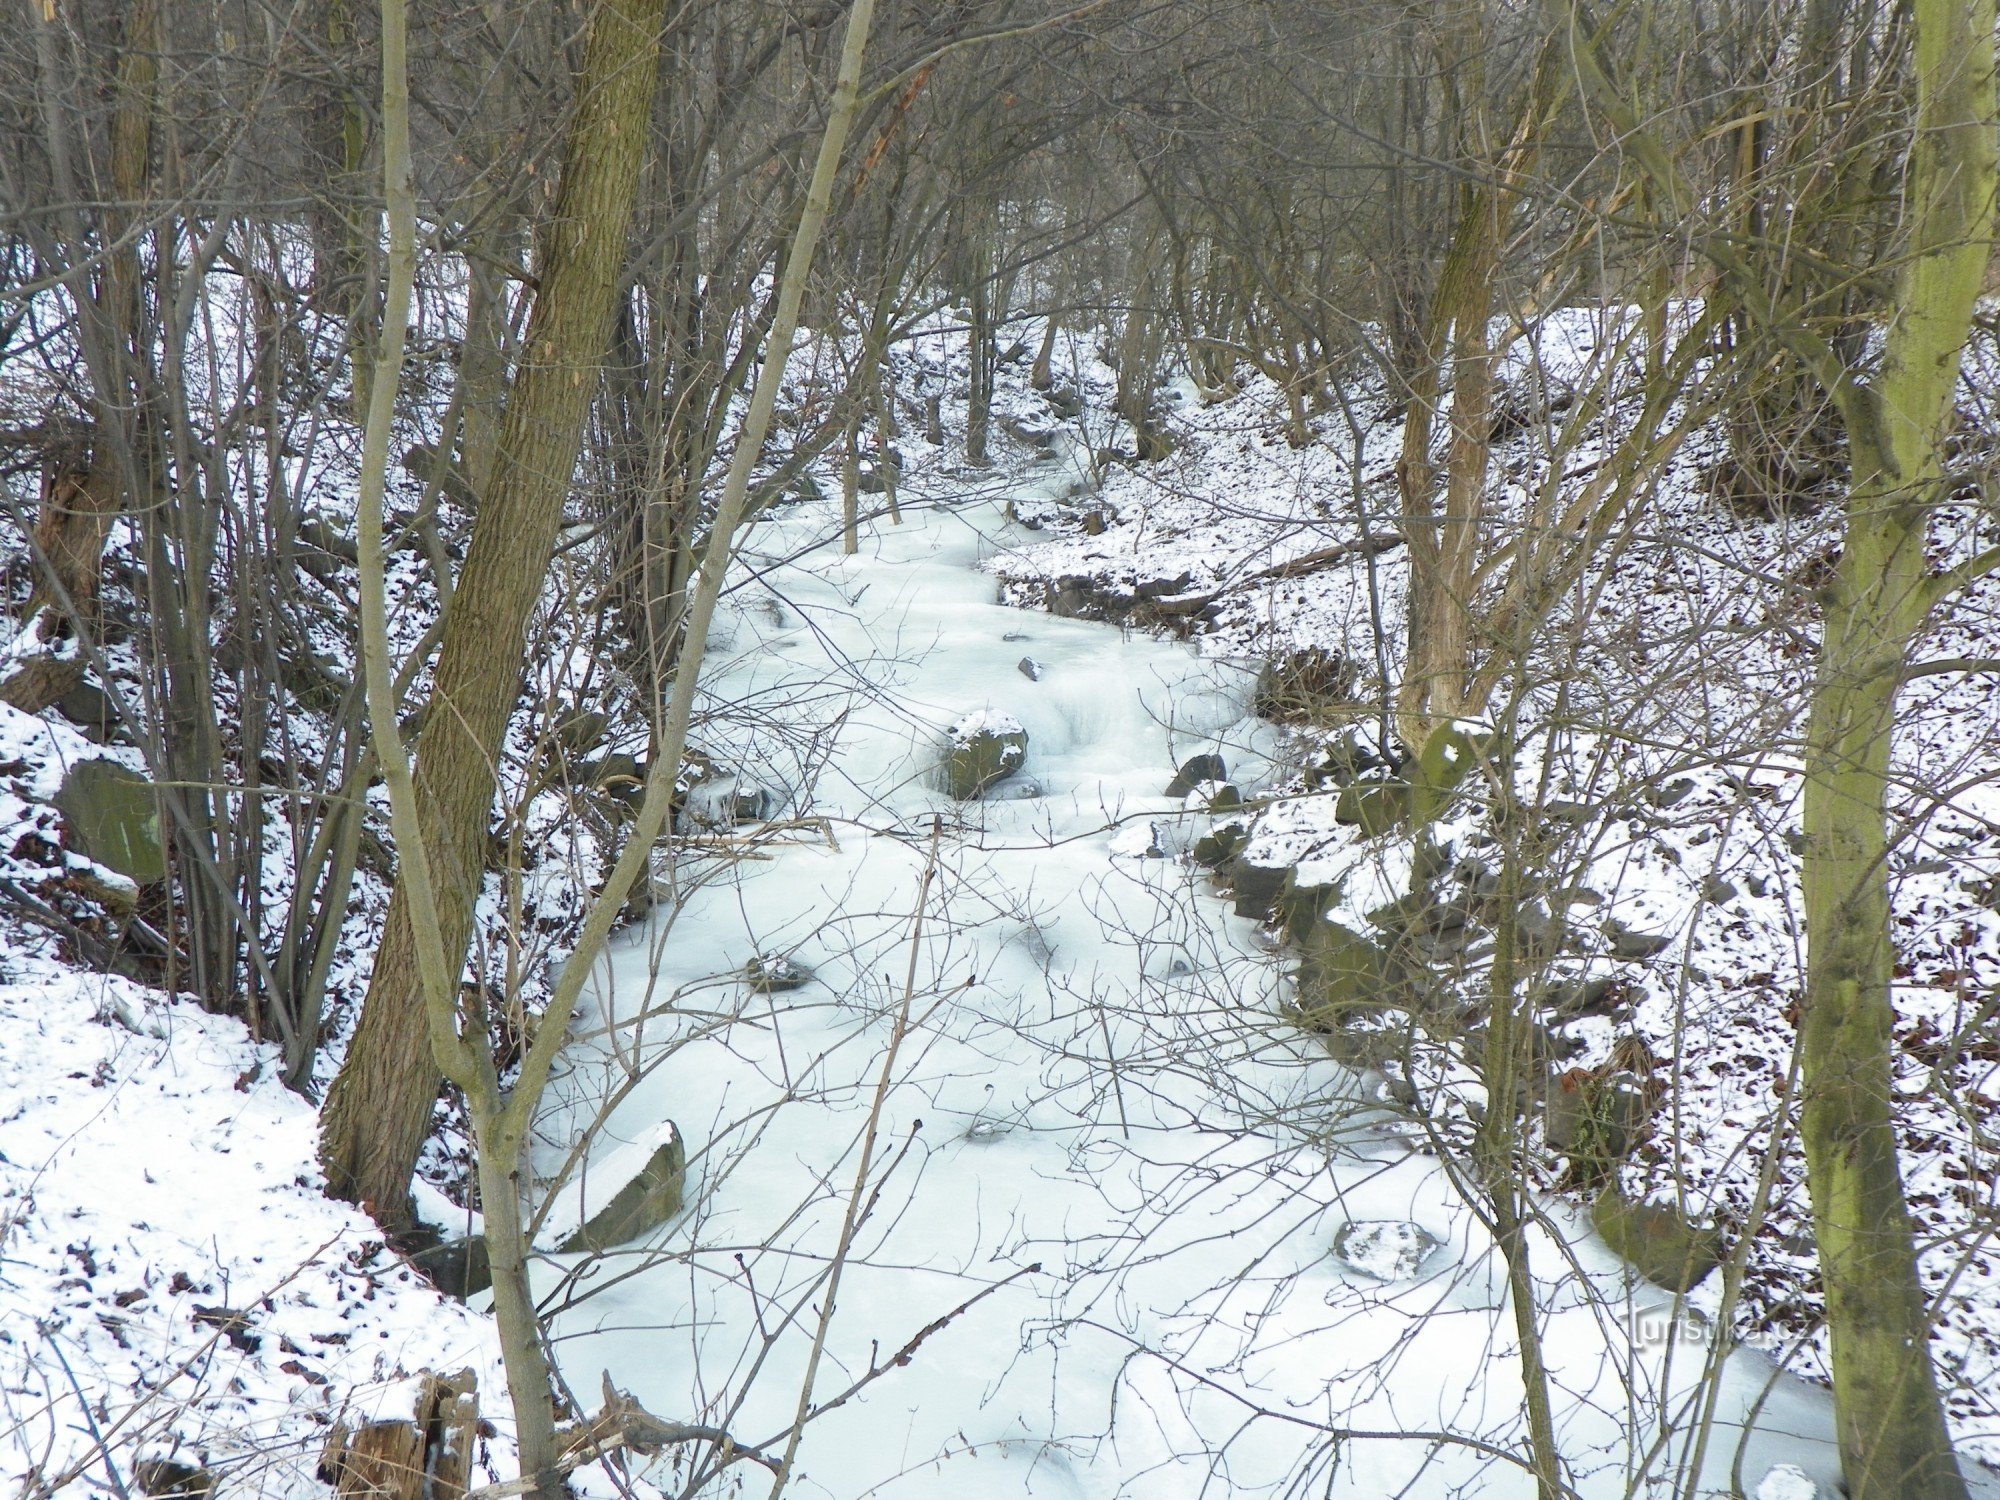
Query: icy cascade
(1097, 1151)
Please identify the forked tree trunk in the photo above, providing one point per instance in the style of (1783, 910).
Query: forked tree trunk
(1893, 1439)
(378, 1111)
(1894, 1444)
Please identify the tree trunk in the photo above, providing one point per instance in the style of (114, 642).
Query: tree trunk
(379, 1109)
(979, 346)
(79, 499)
(1893, 1439)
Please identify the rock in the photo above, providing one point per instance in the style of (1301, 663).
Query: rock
(1373, 806)
(170, 1479)
(1673, 791)
(727, 801)
(1194, 771)
(1600, 995)
(1341, 974)
(90, 709)
(1257, 887)
(1716, 891)
(619, 775)
(1656, 1241)
(1385, 1249)
(1029, 668)
(581, 732)
(1632, 945)
(644, 1203)
(983, 748)
(110, 815)
(1064, 401)
(1595, 1119)
(774, 974)
(1219, 798)
(1346, 760)
(1214, 850)
(458, 1268)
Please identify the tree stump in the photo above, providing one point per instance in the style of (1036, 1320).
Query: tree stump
(429, 1458)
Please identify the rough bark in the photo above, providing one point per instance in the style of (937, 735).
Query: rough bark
(378, 1111)
(1887, 1412)
(1893, 1439)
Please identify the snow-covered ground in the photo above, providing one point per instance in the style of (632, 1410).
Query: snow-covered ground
(1032, 1187)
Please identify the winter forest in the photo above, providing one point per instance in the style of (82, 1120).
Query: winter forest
(1097, 749)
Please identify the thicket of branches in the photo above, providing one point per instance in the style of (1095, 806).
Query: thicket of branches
(607, 215)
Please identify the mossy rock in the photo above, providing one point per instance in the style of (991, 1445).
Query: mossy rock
(1374, 807)
(1301, 908)
(646, 1202)
(1656, 1241)
(983, 750)
(1341, 975)
(111, 816)
(1213, 850)
(1595, 1119)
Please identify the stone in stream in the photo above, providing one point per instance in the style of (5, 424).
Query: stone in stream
(1030, 668)
(982, 749)
(774, 974)
(110, 817)
(1195, 771)
(726, 802)
(1385, 1249)
(650, 1198)
(1656, 1241)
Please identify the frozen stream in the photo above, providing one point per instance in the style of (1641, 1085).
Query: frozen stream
(1088, 1076)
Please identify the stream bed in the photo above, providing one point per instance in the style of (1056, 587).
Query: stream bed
(1032, 1102)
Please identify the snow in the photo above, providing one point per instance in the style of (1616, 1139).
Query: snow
(1080, 1181)
(1036, 1177)
(173, 1278)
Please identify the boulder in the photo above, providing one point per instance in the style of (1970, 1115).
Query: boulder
(1595, 1118)
(1346, 760)
(1257, 887)
(1341, 975)
(1632, 945)
(1385, 1249)
(1656, 1241)
(647, 1201)
(728, 801)
(774, 974)
(458, 1268)
(111, 816)
(982, 749)
(1213, 850)
(1196, 770)
(90, 709)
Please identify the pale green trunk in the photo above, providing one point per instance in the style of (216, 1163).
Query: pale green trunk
(1893, 1440)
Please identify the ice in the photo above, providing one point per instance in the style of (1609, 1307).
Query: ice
(1042, 1110)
